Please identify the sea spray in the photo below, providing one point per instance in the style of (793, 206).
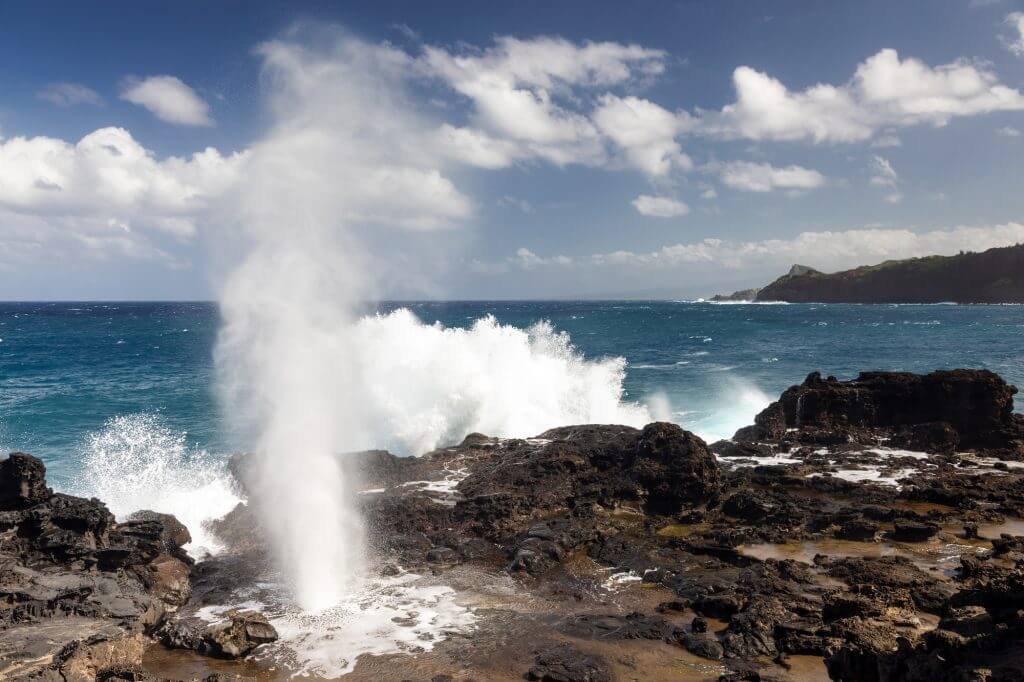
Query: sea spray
(137, 462)
(283, 350)
(428, 385)
(347, 154)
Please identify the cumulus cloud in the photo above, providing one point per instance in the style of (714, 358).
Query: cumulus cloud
(1015, 44)
(1008, 131)
(884, 92)
(764, 177)
(708, 192)
(477, 148)
(69, 94)
(168, 99)
(106, 190)
(528, 260)
(644, 132)
(524, 95)
(659, 207)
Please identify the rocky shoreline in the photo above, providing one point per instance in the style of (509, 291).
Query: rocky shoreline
(858, 530)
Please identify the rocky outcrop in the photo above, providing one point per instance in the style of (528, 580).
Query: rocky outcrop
(566, 663)
(993, 276)
(76, 587)
(236, 634)
(937, 412)
(600, 552)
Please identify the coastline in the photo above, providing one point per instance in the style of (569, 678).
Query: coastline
(866, 529)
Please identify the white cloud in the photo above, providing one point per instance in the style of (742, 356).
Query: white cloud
(528, 260)
(1008, 131)
(708, 192)
(108, 175)
(524, 93)
(106, 190)
(169, 100)
(886, 141)
(477, 148)
(644, 132)
(884, 92)
(1015, 20)
(827, 250)
(764, 177)
(883, 174)
(659, 207)
(69, 94)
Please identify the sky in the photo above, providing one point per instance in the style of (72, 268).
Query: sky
(516, 150)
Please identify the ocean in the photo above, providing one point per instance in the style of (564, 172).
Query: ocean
(82, 382)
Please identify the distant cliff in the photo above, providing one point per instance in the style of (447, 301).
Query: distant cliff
(993, 276)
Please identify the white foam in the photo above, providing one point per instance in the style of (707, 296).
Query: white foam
(889, 453)
(426, 385)
(869, 476)
(136, 462)
(616, 581)
(752, 461)
(398, 615)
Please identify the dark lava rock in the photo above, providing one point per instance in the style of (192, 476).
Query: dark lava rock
(632, 626)
(860, 530)
(76, 587)
(173, 532)
(239, 634)
(22, 481)
(914, 531)
(949, 408)
(703, 645)
(566, 663)
(675, 467)
(244, 631)
(661, 469)
(936, 437)
(967, 620)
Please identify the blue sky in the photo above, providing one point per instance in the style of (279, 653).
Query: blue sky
(584, 149)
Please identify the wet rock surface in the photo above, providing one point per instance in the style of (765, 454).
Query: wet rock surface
(861, 530)
(78, 591)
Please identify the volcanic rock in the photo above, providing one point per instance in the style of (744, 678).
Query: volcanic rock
(566, 663)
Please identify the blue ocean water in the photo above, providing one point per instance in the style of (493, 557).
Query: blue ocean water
(68, 368)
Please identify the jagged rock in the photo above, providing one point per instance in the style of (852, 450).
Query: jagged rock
(99, 656)
(967, 621)
(77, 588)
(703, 645)
(858, 529)
(173, 533)
(566, 663)
(936, 411)
(22, 481)
(238, 634)
(244, 631)
(675, 467)
(913, 531)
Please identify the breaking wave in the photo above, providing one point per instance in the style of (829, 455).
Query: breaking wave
(136, 462)
(428, 385)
